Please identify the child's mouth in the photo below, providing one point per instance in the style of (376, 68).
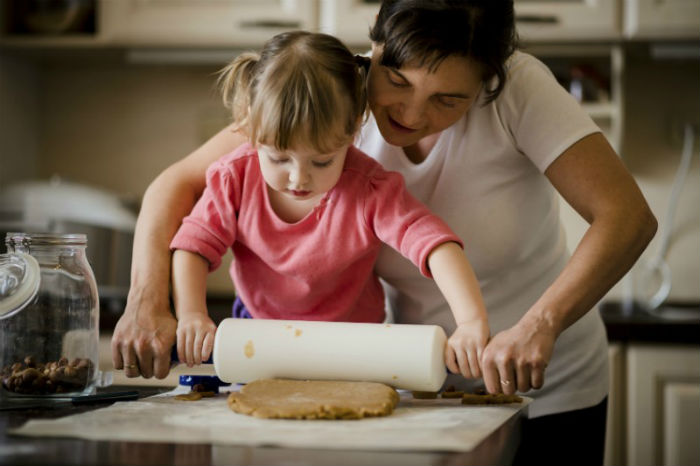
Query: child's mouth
(296, 193)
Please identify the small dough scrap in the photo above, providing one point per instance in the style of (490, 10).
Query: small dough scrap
(313, 399)
(419, 395)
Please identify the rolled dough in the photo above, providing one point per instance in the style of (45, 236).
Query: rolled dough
(313, 399)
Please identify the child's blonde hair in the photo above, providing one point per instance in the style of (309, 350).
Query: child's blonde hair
(303, 90)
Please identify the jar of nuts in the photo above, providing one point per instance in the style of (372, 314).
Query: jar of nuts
(49, 311)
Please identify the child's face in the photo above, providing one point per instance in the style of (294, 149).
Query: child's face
(301, 174)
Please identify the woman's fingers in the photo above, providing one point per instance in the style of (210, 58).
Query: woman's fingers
(506, 374)
(523, 377)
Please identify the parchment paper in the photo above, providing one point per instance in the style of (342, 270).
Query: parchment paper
(427, 425)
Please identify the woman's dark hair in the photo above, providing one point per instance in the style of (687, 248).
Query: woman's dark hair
(425, 32)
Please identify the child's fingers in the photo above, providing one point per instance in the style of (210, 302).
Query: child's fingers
(450, 360)
(181, 345)
(463, 363)
(189, 348)
(208, 346)
(197, 347)
(474, 363)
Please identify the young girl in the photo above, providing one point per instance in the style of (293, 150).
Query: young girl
(305, 212)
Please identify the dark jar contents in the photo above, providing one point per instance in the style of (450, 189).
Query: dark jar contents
(50, 346)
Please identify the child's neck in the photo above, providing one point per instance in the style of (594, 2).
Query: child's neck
(290, 210)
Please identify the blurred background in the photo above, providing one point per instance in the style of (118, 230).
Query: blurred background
(97, 97)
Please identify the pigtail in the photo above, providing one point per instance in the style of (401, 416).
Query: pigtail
(360, 100)
(235, 85)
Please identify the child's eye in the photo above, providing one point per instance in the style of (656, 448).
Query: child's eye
(323, 164)
(277, 161)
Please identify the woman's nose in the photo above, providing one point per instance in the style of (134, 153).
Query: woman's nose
(413, 113)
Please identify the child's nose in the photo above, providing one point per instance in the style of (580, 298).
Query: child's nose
(299, 176)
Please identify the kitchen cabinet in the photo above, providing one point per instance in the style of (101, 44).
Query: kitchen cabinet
(663, 404)
(654, 397)
(593, 73)
(239, 23)
(653, 404)
(537, 20)
(661, 19)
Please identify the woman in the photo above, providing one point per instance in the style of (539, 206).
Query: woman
(485, 137)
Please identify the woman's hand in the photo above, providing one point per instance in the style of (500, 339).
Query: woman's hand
(515, 359)
(464, 348)
(195, 338)
(143, 337)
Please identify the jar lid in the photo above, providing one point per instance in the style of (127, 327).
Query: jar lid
(20, 276)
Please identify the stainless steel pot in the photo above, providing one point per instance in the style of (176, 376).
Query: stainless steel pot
(57, 206)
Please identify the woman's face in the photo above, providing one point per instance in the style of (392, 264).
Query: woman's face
(411, 103)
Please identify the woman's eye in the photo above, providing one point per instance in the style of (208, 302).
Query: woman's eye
(449, 103)
(397, 84)
(394, 81)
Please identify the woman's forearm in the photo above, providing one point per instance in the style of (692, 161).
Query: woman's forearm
(606, 252)
(168, 199)
(593, 179)
(156, 226)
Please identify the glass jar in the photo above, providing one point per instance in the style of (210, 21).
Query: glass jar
(49, 330)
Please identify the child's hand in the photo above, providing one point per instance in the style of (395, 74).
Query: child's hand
(195, 338)
(464, 348)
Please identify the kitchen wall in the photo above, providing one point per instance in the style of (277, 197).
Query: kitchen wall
(117, 125)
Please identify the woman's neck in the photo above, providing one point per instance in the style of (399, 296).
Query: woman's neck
(419, 151)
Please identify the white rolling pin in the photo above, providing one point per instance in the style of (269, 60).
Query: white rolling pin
(410, 357)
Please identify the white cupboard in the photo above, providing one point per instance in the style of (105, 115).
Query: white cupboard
(663, 404)
(186, 23)
(662, 19)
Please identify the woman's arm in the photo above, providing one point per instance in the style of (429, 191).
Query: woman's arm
(455, 277)
(593, 180)
(145, 333)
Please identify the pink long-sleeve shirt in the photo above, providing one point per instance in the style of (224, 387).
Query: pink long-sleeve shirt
(321, 267)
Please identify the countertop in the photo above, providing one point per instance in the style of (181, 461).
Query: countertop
(498, 448)
(673, 323)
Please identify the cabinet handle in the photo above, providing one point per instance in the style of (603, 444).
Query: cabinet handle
(537, 19)
(270, 24)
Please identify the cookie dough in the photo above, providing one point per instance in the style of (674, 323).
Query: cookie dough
(313, 399)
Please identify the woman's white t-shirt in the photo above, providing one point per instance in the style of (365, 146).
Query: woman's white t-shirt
(484, 177)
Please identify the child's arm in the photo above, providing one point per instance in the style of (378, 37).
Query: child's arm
(454, 276)
(195, 330)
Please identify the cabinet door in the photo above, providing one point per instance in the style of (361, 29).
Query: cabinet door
(543, 20)
(546, 20)
(239, 23)
(681, 408)
(661, 381)
(672, 19)
(349, 20)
